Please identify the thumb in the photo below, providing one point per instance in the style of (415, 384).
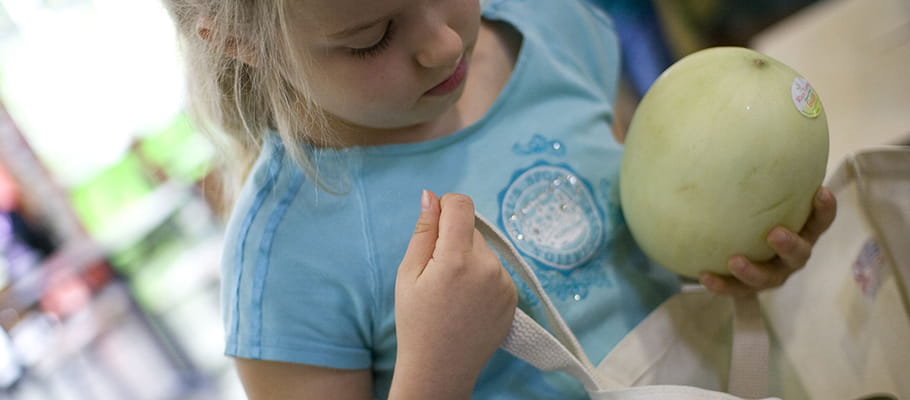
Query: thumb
(423, 241)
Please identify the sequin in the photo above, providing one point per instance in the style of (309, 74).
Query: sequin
(539, 144)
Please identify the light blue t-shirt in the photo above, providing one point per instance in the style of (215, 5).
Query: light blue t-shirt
(308, 276)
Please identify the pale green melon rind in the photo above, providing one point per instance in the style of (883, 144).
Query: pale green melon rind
(703, 177)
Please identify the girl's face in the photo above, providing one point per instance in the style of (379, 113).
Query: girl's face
(384, 64)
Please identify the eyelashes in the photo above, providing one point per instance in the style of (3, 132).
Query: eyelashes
(377, 48)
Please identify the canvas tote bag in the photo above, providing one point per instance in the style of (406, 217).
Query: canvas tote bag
(842, 324)
(840, 328)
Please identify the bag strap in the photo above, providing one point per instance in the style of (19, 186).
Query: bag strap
(527, 339)
(531, 342)
(750, 352)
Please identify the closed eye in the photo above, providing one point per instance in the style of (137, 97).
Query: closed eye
(376, 48)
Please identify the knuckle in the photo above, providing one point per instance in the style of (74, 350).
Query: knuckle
(490, 268)
(799, 257)
(452, 261)
(423, 227)
(805, 259)
(513, 291)
(754, 278)
(777, 280)
(457, 200)
(459, 262)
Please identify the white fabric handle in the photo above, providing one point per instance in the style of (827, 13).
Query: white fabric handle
(561, 350)
(664, 392)
(751, 350)
(527, 339)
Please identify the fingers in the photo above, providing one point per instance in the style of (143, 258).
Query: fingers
(823, 212)
(444, 229)
(747, 277)
(726, 285)
(793, 251)
(456, 226)
(423, 241)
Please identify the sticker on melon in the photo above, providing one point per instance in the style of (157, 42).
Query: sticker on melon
(804, 98)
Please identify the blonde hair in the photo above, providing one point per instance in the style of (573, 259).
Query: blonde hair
(237, 103)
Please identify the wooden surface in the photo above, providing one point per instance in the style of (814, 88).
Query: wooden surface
(856, 54)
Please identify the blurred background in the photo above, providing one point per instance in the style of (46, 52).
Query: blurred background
(110, 229)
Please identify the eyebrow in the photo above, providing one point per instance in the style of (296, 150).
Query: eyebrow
(357, 28)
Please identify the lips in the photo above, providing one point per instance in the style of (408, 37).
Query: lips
(452, 82)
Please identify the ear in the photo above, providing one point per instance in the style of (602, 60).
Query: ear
(233, 46)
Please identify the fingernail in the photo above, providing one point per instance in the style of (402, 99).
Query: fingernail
(823, 195)
(738, 264)
(425, 200)
(780, 237)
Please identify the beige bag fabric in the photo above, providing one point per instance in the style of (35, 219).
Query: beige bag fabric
(690, 340)
(842, 324)
(839, 329)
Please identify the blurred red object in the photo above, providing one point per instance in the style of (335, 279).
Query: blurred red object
(9, 191)
(65, 296)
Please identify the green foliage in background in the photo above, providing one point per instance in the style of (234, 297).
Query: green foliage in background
(176, 152)
(109, 192)
(180, 151)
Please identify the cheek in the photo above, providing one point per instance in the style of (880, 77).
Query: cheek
(361, 87)
(382, 79)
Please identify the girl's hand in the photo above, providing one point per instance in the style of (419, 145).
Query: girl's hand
(792, 254)
(454, 302)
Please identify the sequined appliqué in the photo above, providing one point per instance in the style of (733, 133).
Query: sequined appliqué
(550, 215)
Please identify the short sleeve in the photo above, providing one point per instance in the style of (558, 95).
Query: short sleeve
(294, 290)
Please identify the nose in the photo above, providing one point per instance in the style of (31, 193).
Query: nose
(442, 47)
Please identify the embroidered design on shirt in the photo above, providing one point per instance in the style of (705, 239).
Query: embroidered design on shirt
(609, 193)
(550, 214)
(574, 285)
(539, 145)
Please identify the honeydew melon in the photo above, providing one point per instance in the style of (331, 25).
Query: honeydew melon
(726, 144)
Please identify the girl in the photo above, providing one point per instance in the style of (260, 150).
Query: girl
(351, 110)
